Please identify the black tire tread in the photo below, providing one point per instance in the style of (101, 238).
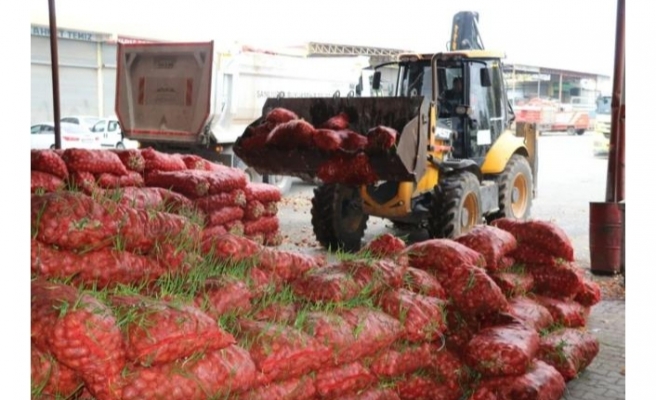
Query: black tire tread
(323, 220)
(446, 201)
(517, 161)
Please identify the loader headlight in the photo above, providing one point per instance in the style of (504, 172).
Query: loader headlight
(442, 133)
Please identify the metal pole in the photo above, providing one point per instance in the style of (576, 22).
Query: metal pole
(514, 80)
(54, 60)
(619, 190)
(614, 178)
(560, 89)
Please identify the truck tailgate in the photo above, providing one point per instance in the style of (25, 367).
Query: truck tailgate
(163, 90)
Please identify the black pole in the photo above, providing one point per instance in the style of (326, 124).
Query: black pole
(54, 61)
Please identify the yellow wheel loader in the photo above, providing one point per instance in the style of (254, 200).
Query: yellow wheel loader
(456, 163)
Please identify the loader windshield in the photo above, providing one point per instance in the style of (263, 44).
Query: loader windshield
(415, 79)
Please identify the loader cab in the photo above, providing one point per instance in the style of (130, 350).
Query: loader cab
(471, 101)
(468, 92)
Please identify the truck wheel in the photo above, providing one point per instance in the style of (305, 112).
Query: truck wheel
(515, 190)
(456, 206)
(580, 132)
(571, 130)
(337, 217)
(120, 146)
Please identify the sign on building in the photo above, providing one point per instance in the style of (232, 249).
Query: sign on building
(70, 34)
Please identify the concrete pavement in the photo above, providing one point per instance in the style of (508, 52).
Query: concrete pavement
(604, 378)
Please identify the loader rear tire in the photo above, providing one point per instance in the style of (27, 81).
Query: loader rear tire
(515, 190)
(337, 217)
(456, 207)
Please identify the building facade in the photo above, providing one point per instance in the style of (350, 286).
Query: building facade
(87, 72)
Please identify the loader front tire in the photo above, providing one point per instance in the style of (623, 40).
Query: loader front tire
(456, 207)
(515, 190)
(337, 217)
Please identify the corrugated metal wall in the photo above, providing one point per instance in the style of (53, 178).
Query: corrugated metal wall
(87, 76)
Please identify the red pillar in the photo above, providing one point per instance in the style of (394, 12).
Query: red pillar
(615, 178)
(606, 218)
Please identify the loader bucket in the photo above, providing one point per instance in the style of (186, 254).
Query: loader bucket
(407, 115)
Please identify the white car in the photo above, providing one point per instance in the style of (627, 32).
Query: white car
(111, 136)
(72, 136)
(85, 121)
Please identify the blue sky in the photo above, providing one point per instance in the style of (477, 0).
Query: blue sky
(574, 34)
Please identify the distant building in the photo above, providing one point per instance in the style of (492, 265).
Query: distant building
(525, 82)
(87, 72)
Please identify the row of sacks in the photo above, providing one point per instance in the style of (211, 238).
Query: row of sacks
(104, 241)
(423, 321)
(146, 179)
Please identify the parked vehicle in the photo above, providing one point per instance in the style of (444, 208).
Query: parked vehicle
(85, 121)
(111, 135)
(72, 136)
(552, 116)
(601, 140)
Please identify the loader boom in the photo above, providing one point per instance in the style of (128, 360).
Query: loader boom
(465, 34)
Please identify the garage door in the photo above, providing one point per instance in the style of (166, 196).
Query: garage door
(41, 89)
(78, 79)
(109, 91)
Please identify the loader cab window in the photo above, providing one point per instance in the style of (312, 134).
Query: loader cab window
(487, 105)
(486, 98)
(416, 80)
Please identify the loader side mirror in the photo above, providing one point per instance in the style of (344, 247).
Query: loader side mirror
(375, 85)
(486, 80)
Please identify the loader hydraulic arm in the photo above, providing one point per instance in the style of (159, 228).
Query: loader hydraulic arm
(465, 34)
